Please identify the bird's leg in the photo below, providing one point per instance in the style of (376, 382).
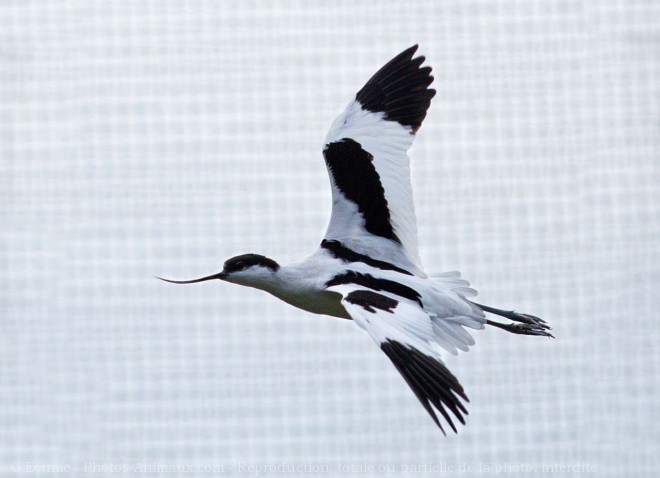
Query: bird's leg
(523, 329)
(528, 324)
(515, 316)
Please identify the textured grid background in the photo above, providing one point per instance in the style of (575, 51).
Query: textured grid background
(160, 137)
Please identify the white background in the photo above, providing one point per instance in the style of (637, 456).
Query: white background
(161, 137)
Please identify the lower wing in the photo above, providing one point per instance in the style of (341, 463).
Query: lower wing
(405, 332)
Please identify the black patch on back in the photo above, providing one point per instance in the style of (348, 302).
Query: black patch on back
(345, 254)
(367, 280)
(353, 171)
(369, 301)
(431, 381)
(247, 260)
(400, 90)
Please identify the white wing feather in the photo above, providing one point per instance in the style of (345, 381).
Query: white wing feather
(388, 143)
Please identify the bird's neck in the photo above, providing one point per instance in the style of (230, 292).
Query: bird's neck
(288, 279)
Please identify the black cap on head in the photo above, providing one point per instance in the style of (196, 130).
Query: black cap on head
(246, 261)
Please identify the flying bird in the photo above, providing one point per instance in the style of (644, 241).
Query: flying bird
(367, 268)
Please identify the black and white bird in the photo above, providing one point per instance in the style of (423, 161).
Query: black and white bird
(367, 267)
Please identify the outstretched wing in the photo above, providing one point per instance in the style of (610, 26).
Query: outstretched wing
(366, 156)
(406, 333)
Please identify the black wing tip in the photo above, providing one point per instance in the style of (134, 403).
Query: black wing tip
(432, 382)
(405, 55)
(400, 90)
(410, 51)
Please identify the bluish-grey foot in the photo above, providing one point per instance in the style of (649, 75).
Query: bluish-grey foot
(524, 329)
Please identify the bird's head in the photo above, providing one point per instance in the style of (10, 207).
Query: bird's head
(252, 270)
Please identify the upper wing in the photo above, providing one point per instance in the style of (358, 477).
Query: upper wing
(405, 332)
(366, 156)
